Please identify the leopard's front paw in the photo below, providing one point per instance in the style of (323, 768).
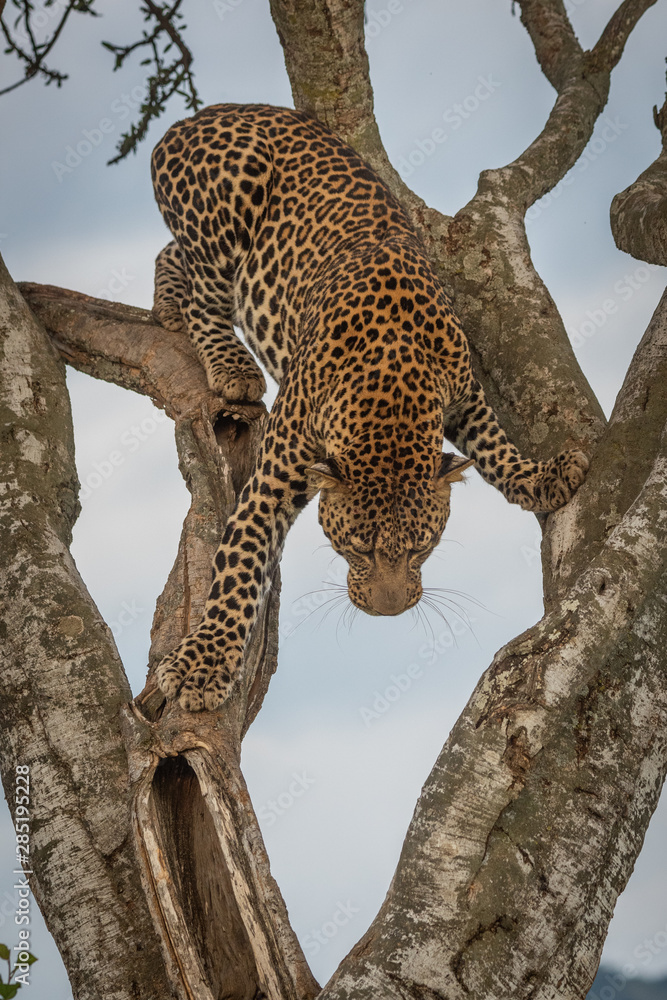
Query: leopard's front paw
(238, 386)
(560, 480)
(198, 673)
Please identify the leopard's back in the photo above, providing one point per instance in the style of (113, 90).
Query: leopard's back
(270, 201)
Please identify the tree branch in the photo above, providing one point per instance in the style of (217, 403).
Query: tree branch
(34, 59)
(553, 37)
(220, 918)
(489, 898)
(63, 685)
(620, 466)
(325, 55)
(609, 47)
(639, 214)
(550, 772)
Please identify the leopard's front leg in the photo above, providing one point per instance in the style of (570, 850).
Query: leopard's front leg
(538, 486)
(202, 669)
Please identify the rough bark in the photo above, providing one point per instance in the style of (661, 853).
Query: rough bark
(530, 823)
(174, 814)
(639, 214)
(563, 743)
(531, 820)
(63, 686)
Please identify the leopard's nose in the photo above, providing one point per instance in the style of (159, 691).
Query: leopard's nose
(389, 589)
(388, 599)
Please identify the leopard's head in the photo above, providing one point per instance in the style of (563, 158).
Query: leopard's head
(385, 522)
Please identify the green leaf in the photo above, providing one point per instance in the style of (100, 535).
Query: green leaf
(7, 992)
(31, 959)
(4, 952)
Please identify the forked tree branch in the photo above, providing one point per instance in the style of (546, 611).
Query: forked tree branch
(489, 911)
(532, 818)
(63, 686)
(210, 911)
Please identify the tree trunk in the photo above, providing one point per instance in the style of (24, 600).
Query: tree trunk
(166, 851)
(531, 820)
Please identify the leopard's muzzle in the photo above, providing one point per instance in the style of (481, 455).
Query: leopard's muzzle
(390, 588)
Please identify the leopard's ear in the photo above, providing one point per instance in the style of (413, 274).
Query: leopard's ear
(452, 468)
(323, 476)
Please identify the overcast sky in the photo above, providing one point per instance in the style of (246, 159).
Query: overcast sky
(334, 767)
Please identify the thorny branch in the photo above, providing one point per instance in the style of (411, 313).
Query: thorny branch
(23, 33)
(167, 78)
(165, 33)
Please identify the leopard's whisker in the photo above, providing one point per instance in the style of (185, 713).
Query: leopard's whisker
(334, 604)
(422, 620)
(438, 611)
(445, 602)
(345, 614)
(329, 605)
(460, 612)
(450, 541)
(460, 593)
(322, 590)
(437, 604)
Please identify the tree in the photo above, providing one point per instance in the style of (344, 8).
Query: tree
(531, 820)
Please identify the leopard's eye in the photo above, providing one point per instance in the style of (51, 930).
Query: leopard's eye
(422, 552)
(360, 548)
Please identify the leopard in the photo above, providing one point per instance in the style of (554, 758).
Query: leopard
(282, 230)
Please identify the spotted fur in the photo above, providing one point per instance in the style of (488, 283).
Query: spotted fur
(281, 228)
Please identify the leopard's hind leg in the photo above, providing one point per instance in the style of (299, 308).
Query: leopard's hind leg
(203, 306)
(214, 207)
(171, 288)
(230, 368)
